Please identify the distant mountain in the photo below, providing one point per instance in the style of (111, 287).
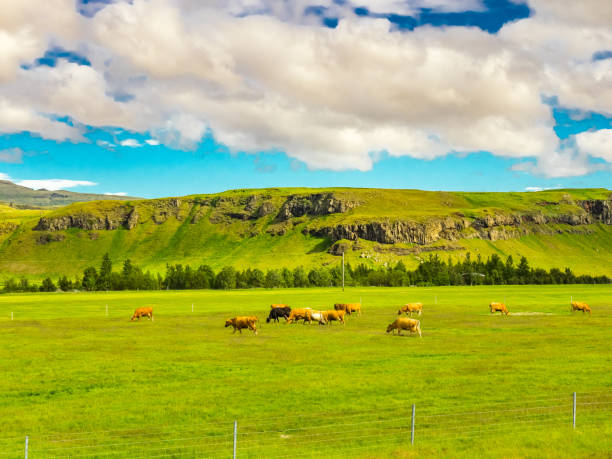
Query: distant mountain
(23, 197)
(287, 227)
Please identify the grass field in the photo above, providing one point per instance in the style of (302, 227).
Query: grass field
(83, 384)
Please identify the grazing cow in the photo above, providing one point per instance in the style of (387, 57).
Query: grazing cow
(299, 314)
(410, 308)
(277, 313)
(579, 306)
(403, 323)
(143, 312)
(317, 315)
(242, 322)
(330, 316)
(276, 306)
(348, 307)
(501, 307)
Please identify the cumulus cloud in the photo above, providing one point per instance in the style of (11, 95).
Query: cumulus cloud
(11, 155)
(120, 193)
(596, 143)
(262, 75)
(54, 184)
(533, 188)
(152, 142)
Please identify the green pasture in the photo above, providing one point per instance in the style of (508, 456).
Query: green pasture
(81, 383)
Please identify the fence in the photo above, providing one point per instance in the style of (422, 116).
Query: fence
(322, 434)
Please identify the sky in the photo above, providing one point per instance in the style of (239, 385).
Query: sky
(157, 98)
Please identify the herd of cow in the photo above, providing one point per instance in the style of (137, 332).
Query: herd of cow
(338, 314)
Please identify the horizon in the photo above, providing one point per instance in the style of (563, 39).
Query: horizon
(155, 98)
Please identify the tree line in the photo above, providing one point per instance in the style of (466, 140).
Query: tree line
(431, 271)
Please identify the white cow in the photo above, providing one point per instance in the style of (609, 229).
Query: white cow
(317, 315)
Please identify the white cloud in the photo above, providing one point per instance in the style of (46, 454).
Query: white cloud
(121, 193)
(133, 143)
(262, 75)
(11, 155)
(4, 176)
(54, 184)
(596, 143)
(533, 188)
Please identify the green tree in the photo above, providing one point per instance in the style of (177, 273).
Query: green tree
(64, 284)
(274, 279)
(104, 281)
(226, 279)
(90, 277)
(48, 285)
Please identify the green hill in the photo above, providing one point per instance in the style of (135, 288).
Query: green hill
(21, 196)
(289, 227)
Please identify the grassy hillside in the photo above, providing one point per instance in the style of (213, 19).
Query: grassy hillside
(290, 227)
(17, 195)
(81, 383)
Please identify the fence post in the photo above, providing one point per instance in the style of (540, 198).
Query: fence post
(412, 432)
(574, 411)
(26, 448)
(235, 436)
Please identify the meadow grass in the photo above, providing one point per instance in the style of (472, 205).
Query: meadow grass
(83, 384)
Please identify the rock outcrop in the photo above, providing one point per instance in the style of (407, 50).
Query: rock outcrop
(491, 227)
(122, 216)
(314, 205)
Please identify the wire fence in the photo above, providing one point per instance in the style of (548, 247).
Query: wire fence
(321, 434)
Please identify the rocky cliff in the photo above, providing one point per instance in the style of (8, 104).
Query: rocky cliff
(281, 213)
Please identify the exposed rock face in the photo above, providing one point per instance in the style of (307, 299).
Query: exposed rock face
(314, 204)
(491, 227)
(46, 238)
(599, 210)
(120, 217)
(225, 209)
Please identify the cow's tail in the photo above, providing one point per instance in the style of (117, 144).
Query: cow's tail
(418, 327)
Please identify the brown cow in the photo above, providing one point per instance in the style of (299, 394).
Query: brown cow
(143, 312)
(501, 307)
(403, 323)
(348, 307)
(299, 314)
(242, 322)
(410, 308)
(334, 315)
(580, 306)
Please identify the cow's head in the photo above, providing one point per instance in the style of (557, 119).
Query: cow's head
(228, 323)
(391, 326)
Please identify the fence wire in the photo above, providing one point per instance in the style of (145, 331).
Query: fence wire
(319, 434)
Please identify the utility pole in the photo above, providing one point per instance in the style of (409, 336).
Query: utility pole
(343, 271)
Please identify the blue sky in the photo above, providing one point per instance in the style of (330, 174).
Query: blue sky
(481, 109)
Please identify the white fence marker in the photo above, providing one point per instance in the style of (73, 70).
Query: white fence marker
(235, 436)
(574, 411)
(26, 448)
(412, 430)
